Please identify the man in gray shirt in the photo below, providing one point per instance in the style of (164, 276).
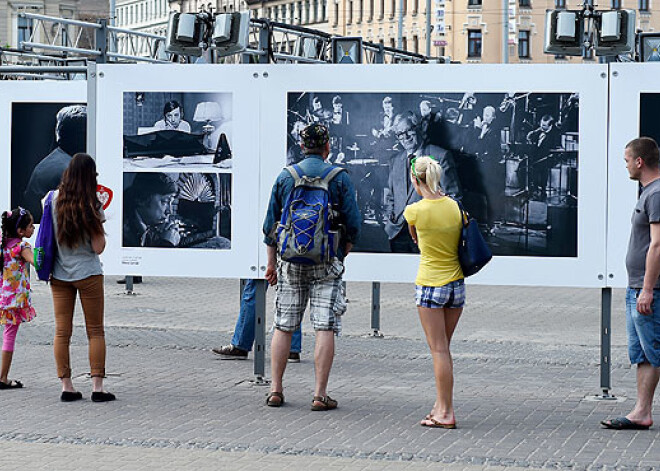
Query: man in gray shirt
(643, 293)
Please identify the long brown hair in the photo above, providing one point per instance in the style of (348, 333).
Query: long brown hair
(77, 203)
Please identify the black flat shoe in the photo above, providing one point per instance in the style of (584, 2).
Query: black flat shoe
(102, 396)
(68, 396)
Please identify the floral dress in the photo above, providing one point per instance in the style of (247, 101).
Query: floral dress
(15, 300)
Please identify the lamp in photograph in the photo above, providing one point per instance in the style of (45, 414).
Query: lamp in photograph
(206, 112)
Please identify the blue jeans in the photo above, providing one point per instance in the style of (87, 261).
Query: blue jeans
(643, 330)
(244, 331)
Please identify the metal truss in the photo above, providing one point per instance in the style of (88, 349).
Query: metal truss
(66, 44)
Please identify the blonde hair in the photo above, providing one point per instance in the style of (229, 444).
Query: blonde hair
(427, 170)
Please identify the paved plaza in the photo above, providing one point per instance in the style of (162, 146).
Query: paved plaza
(525, 358)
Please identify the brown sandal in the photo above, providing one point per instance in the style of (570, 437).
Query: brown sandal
(327, 401)
(273, 394)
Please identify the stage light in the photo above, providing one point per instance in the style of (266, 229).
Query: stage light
(231, 33)
(615, 33)
(649, 47)
(564, 30)
(347, 50)
(185, 34)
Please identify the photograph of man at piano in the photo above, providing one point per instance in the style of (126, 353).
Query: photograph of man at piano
(510, 157)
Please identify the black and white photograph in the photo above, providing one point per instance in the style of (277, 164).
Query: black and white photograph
(177, 130)
(44, 138)
(510, 158)
(648, 115)
(177, 210)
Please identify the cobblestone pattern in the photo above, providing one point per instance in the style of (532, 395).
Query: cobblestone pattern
(519, 403)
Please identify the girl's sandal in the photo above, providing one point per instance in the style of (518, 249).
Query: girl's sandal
(13, 384)
(327, 403)
(275, 394)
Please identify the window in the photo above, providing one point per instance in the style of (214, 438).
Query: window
(349, 13)
(323, 10)
(307, 12)
(525, 3)
(25, 28)
(523, 44)
(404, 4)
(336, 21)
(474, 3)
(392, 44)
(382, 10)
(560, 3)
(474, 43)
(372, 5)
(643, 5)
(415, 7)
(616, 4)
(415, 44)
(360, 11)
(393, 10)
(404, 44)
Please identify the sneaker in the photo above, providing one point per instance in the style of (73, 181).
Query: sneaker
(230, 352)
(294, 357)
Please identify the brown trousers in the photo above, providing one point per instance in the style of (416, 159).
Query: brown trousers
(64, 300)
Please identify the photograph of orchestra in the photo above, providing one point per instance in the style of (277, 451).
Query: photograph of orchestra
(511, 158)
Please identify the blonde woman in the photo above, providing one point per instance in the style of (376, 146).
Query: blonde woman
(435, 226)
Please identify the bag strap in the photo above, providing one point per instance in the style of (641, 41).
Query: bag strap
(328, 174)
(465, 216)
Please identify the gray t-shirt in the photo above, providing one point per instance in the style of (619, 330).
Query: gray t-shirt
(647, 212)
(74, 264)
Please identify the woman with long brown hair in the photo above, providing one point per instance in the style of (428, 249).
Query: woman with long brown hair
(78, 221)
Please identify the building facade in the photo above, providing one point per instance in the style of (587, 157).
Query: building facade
(13, 29)
(147, 16)
(469, 31)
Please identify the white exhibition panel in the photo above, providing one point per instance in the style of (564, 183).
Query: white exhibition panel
(14, 92)
(628, 81)
(587, 269)
(235, 88)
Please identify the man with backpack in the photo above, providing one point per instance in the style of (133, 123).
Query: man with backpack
(311, 225)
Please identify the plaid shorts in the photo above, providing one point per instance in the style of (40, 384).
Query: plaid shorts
(451, 295)
(320, 285)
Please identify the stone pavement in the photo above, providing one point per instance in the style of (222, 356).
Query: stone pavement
(524, 360)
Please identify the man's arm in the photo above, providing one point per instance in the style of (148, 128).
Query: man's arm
(651, 273)
(271, 269)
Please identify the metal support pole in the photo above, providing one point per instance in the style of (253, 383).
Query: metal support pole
(379, 57)
(102, 41)
(375, 310)
(505, 31)
(129, 284)
(605, 340)
(400, 29)
(260, 333)
(428, 28)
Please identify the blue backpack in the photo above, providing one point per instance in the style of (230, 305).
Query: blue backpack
(45, 247)
(304, 234)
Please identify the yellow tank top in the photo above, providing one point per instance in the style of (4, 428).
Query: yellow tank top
(438, 224)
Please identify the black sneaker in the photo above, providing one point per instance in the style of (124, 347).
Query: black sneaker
(69, 396)
(294, 357)
(230, 352)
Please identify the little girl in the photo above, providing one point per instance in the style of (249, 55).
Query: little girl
(15, 303)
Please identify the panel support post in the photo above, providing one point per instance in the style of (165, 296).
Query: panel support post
(260, 333)
(375, 310)
(605, 340)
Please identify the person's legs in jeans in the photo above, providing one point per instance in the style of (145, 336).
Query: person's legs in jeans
(64, 299)
(92, 300)
(243, 337)
(8, 341)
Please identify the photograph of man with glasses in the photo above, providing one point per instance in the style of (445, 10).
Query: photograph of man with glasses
(399, 191)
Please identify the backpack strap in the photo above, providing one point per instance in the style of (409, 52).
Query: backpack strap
(329, 174)
(296, 172)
